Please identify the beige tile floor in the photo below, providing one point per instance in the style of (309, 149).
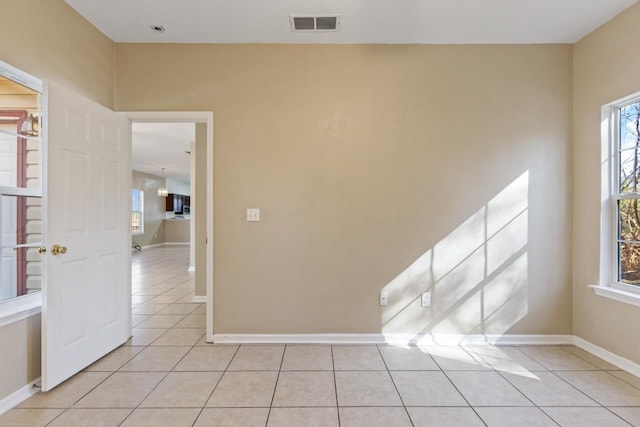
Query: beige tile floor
(167, 375)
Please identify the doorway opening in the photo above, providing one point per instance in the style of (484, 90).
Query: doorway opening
(188, 211)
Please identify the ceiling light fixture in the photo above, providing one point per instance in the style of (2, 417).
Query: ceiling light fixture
(162, 189)
(157, 28)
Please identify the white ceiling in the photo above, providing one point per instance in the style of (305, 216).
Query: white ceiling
(163, 145)
(362, 21)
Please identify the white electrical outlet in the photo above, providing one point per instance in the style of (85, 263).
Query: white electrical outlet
(384, 298)
(426, 299)
(253, 214)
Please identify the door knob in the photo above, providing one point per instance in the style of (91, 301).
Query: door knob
(58, 250)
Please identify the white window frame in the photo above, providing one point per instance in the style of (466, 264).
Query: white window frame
(608, 285)
(141, 232)
(22, 307)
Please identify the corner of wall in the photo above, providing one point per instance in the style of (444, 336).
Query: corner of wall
(114, 76)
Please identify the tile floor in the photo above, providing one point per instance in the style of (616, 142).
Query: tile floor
(166, 375)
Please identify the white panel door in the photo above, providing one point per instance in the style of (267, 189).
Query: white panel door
(86, 307)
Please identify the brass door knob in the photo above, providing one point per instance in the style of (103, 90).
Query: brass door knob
(58, 250)
(42, 250)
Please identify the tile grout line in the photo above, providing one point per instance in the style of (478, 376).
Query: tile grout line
(163, 378)
(526, 397)
(335, 383)
(500, 374)
(215, 386)
(111, 373)
(79, 399)
(459, 392)
(395, 386)
(154, 387)
(143, 399)
(620, 379)
(600, 405)
(555, 373)
(276, 386)
(562, 347)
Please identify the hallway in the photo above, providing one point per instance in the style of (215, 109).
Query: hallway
(166, 375)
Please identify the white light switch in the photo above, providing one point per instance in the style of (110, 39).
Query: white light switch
(253, 214)
(426, 299)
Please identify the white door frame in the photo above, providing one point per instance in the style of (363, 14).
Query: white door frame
(197, 117)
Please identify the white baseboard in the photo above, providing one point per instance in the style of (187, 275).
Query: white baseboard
(18, 397)
(424, 339)
(614, 359)
(299, 338)
(157, 245)
(199, 298)
(530, 339)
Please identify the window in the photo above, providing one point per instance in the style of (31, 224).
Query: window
(137, 212)
(21, 212)
(626, 193)
(620, 194)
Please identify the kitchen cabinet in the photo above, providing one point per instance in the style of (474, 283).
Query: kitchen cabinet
(177, 202)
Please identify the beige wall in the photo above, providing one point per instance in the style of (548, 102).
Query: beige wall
(20, 354)
(177, 230)
(365, 160)
(606, 69)
(154, 208)
(50, 40)
(199, 214)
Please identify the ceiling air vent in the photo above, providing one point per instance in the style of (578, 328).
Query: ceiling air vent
(314, 23)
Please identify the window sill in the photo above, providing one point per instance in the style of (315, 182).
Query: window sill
(20, 308)
(617, 294)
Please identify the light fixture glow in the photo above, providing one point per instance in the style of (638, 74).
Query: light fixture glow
(162, 189)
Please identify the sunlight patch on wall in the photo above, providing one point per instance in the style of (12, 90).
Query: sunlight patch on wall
(478, 274)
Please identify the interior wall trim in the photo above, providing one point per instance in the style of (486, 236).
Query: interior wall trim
(614, 359)
(424, 339)
(19, 396)
(157, 245)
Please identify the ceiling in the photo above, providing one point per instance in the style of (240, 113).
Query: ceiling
(158, 145)
(163, 145)
(362, 21)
